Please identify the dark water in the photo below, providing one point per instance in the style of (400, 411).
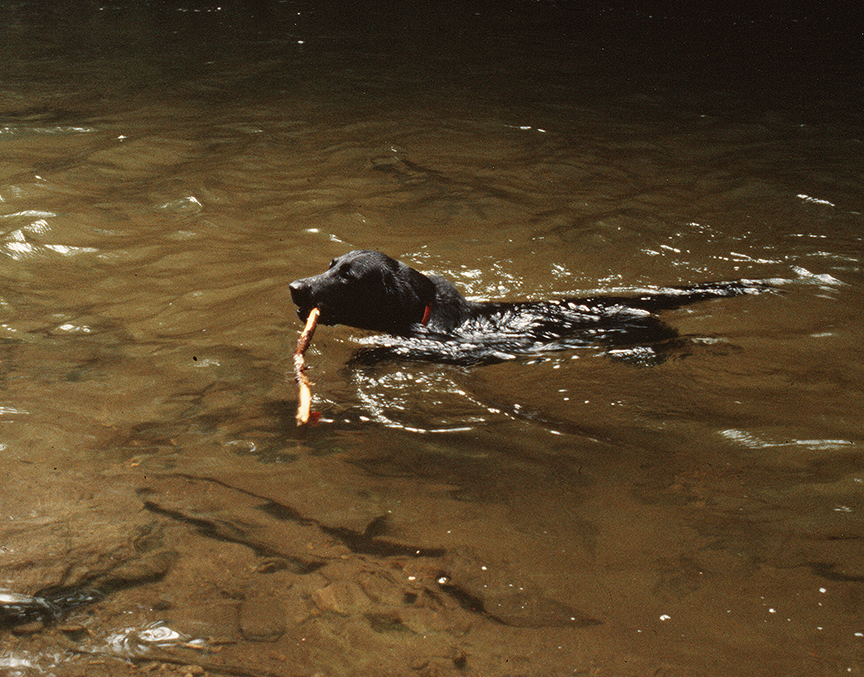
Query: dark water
(167, 169)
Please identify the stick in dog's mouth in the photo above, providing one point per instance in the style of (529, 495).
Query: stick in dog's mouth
(304, 394)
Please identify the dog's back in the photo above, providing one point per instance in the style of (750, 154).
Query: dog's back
(370, 290)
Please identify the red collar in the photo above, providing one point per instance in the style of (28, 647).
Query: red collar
(426, 313)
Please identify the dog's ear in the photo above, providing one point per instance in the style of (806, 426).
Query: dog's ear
(412, 293)
(423, 287)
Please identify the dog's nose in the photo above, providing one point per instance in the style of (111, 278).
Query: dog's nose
(299, 292)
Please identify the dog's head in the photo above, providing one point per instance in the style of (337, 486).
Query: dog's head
(367, 290)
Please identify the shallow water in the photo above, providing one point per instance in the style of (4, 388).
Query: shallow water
(165, 175)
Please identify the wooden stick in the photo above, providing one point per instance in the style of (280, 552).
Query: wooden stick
(304, 395)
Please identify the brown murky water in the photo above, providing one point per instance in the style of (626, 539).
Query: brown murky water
(165, 174)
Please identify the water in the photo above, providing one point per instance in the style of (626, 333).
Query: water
(166, 172)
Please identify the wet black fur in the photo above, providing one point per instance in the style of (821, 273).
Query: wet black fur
(369, 290)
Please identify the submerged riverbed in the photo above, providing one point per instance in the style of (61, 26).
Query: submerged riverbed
(166, 173)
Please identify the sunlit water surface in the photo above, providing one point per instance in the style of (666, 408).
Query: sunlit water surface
(165, 175)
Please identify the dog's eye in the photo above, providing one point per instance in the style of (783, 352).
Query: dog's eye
(342, 268)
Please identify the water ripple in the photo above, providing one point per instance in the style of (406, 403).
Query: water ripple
(134, 641)
(751, 441)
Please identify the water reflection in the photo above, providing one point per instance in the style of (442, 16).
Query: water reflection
(136, 641)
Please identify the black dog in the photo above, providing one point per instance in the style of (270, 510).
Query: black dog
(369, 290)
